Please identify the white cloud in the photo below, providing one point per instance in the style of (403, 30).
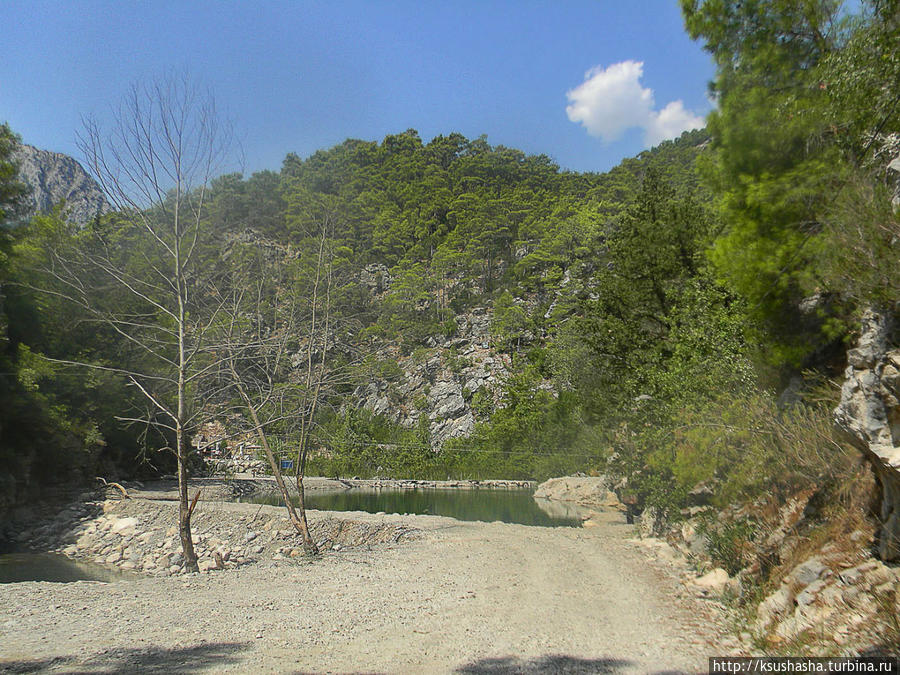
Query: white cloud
(669, 123)
(611, 100)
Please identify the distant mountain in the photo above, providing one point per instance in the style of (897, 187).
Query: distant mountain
(54, 178)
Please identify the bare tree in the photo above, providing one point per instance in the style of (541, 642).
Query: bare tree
(261, 322)
(274, 350)
(138, 275)
(316, 363)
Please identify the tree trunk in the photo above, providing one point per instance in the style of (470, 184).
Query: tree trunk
(297, 520)
(184, 511)
(308, 544)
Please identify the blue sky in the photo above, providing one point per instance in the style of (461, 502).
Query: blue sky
(299, 76)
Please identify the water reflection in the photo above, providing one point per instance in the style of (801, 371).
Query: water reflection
(16, 567)
(508, 506)
(560, 510)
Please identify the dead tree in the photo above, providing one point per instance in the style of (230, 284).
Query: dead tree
(137, 274)
(259, 324)
(316, 349)
(274, 347)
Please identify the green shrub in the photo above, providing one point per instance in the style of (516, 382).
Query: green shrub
(729, 543)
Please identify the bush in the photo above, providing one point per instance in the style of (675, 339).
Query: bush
(729, 544)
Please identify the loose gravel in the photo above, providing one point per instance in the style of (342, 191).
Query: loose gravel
(443, 596)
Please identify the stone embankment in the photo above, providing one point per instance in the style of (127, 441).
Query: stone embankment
(831, 597)
(140, 535)
(410, 484)
(247, 486)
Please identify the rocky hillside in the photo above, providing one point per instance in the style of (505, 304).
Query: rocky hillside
(55, 178)
(448, 378)
(440, 382)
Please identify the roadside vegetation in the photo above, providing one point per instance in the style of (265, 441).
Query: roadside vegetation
(678, 322)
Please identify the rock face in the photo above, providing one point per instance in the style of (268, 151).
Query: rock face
(890, 151)
(813, 598)
(55, 178)
(869, 415)
(440, 381)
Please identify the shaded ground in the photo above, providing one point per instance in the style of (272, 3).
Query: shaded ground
(461, 597)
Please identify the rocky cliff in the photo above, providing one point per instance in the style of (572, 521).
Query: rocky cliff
(439, 381)
(869, 410)
(55, 178)
(869, 414)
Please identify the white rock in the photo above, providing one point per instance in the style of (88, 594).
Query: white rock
(806, 572)
(773, 608)
(124, 526)
(808, 594)
(715, 581)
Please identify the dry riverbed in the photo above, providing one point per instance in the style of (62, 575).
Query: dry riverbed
(391, 594)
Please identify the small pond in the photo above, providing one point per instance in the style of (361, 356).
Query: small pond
(16, 567)
(508, 506)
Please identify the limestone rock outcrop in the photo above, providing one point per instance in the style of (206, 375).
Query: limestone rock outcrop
(440, 381)
(55, 178)
(869, 415)
(591, 491)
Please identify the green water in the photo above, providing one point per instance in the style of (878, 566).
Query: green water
(508, 506)
(16, 567)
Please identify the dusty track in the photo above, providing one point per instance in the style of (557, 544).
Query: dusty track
(464, 597)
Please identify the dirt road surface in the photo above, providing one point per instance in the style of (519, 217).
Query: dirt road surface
(460, 597)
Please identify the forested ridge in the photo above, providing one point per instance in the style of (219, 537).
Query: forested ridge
(679, 321)
(457, 223)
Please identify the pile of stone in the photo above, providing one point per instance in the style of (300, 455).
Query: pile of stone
(409, 484)
(232, 465)
(142, 535)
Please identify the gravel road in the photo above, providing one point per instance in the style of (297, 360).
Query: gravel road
(459, 597)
